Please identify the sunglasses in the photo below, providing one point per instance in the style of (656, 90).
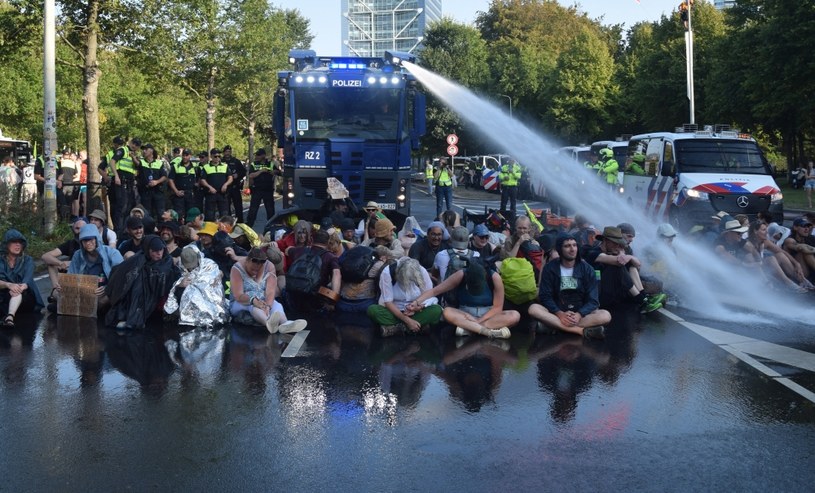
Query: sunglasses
(257, 260)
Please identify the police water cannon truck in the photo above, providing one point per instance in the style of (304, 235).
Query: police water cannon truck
(691, 174)
(351, 118)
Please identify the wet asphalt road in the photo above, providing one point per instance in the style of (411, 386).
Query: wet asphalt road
(656, 407)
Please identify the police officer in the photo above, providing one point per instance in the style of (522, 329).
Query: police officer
(608, 166)
(176, 159)
(262, 173)
(428, 173)
(637, 166)
(238, 172)
(201, 191)
(443, 178)
(152, 182)
(215, 179)
(183, 180)
(509, 175)
(124, 165)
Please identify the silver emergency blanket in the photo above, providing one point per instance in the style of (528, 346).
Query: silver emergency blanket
(202, 302)
(199, 352)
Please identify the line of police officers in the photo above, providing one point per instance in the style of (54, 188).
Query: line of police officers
(135, 174)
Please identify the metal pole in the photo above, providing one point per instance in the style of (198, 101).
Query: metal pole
(510, 103)
(49, 125)
(689, 55)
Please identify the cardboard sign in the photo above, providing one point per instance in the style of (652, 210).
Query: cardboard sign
(78, 295)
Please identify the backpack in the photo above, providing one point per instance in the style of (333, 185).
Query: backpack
(457, 262)
(303, 275)
(356, 263)
(519, 280)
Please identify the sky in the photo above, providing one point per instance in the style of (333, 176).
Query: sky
(325, 15)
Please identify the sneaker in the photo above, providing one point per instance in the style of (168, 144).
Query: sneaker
(462, 332)
(652, 303)
(502, 333)
(598, 332)
(292, 326)
(392, 330)
(273, 322)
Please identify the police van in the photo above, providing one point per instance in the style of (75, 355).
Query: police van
(692, 174)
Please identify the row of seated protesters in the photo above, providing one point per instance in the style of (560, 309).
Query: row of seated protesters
(407, 282)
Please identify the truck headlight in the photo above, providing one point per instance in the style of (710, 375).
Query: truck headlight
(777, 197)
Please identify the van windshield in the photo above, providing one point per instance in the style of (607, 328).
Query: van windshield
(718, 156)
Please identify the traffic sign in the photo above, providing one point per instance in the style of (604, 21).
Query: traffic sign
(452, 139)
(452, 150)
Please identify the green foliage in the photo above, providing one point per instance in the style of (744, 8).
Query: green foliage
(28, 218)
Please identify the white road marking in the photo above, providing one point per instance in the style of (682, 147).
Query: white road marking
(742, 347)
(295, 344)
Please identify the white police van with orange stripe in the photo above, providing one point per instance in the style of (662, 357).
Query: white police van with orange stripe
(690, 175)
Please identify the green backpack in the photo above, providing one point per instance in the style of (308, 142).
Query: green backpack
(519, 280)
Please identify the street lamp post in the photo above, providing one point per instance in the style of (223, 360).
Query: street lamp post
(510, 103)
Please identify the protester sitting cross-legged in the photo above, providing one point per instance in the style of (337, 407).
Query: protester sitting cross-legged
(477, 304)
(568, 294)
(53, 260)
(139, 286)
(197, 297)
(619, 274)
(312, 267)
(425, 249)
(360, 268)
(18, 290)
(409, 233)
(395, 312)
(253, 291)
(383, 236)
(95, 259)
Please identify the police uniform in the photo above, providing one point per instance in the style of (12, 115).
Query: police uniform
(124, 194)
(238, 172)
(216, 175)
(444, 188)
(509, 175)
(152, 198)
(263, 187)
(184, 179)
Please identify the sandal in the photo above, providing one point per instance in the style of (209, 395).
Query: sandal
(8, 321)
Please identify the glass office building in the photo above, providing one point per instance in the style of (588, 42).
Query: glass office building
(369, 27)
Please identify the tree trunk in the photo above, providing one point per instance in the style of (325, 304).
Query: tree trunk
(90, 105)
(211, 108)
(251, 130)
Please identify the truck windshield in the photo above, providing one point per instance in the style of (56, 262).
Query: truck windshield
(322, 113)
(718, 156)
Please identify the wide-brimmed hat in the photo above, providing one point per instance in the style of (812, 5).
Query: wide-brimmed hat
(666, 231)
(383, 228)
(720, 215)
(613, 233)
(209, 228)
(734, 226)
(98, 214)
(372, 206)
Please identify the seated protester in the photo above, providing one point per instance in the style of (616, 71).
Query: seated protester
(186, 235)
(253, 291)
(619, 275)
(568, 294)
(584, 232)
(373, 212)
(777, 233)
(336, 244)
(547, 243)
(523, 245)
(95, 259)
(244, 236)
(383, 236)
(650, 284)
(168, 231)
(801, 245)
(730, 245)
(400, 285)
(360, 268)
(348, 231)
(711, 232)
(205, 237)
(139, 286)
(134, 244)
(197, 297)
(299, 237)
(450, 219)
(67, 248)
(275, 256)
(312, 267)
(169, 215)
(148, 222)
(425, 249)
(225, 253)
(480, 242)
(226, 224)
(98, 219)
(459, 237)
(18, 290)
(194, 219)
(656, 255)
(773, 260)
(479, 300)
(409, 233)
